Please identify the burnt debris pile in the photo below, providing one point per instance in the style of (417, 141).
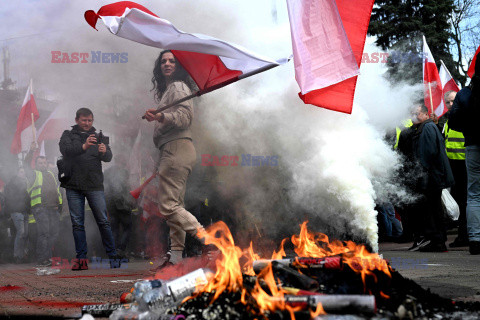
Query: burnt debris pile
(321, 279)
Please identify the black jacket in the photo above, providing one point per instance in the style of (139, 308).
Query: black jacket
(86, 165)
(464, 117)
(424, 147)
(17, 198)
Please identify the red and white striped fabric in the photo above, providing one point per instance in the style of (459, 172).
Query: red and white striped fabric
(448, 83)
(54, 126)
(433, 94)
(24, 134)
(328, 39)
(212, 63)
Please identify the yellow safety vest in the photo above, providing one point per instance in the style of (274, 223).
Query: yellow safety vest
(407, 124)
(35, 190)
(454, 144)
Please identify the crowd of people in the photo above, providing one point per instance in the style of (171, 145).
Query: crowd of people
(438, 153)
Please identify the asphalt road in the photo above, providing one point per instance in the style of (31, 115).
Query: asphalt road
(453, 274)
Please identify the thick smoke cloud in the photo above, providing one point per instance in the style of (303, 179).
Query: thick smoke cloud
(332, 167)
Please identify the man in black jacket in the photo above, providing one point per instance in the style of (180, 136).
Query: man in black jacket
(85, 181)
(429, 173)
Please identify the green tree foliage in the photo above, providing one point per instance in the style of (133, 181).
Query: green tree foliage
(399, 26)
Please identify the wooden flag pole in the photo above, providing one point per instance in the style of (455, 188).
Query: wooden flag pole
(430, 94)
(215, 87)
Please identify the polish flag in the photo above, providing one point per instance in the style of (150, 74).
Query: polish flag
(433, 94)
(24, 135)
(54, 126)
(328, 39)
(447, 80)
(212, 63)
(471, 69)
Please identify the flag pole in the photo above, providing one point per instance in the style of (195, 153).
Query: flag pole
(215, 87)
(430, 94)
(34, 135)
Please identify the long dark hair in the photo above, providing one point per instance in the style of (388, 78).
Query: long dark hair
(159, 82)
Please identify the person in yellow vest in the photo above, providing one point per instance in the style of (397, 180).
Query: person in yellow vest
(45, 202)
(455, 147)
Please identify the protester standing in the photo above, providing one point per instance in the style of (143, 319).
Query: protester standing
(17, 205)
(426, 148)
(455, 147)
(464, 118)
(120, 203)
(45, 203)
(83, 179)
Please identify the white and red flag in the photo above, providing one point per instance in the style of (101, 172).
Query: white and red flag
(433, 93)
(212, 63)
(25, 133)
(448, 83)
(54, 126)
(328, 38)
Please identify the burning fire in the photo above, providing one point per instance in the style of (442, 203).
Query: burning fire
(267, 293)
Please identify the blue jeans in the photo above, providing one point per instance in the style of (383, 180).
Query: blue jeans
(47, 220)
(472, 161)
(20, 221)
(76, 205)
(393, 227)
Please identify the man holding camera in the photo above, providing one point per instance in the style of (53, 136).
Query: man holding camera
(83, 154)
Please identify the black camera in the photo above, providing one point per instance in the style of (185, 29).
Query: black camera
(101, 138)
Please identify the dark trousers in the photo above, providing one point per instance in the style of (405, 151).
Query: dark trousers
(429, 216)
(121, 222)
(459, 193)
(76, 205)
(47, 220)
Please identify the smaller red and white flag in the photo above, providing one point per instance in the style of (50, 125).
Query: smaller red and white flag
(471, 69)
(25, 132)
(447, 80)
(54, 126)
(433, 94)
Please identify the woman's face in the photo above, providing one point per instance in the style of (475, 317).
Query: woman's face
(167, 65)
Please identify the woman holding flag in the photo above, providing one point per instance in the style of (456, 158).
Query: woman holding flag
(172, 136)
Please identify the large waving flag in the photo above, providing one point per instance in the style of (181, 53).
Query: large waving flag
(328, 38)
(24, 135)
(212, 63)
(433, 94)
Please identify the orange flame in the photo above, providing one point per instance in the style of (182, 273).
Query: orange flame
(251, 256)
(228, 276)
(316, 245)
